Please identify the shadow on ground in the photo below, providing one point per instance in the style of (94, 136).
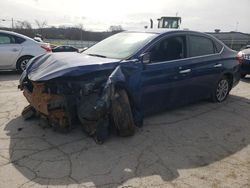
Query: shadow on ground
(246, 79)
(189, 137)
(9, 75)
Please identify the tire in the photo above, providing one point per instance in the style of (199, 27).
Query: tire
(22, 62)
(221, 90)
(122, 115)
(28, 112)
(242, 75)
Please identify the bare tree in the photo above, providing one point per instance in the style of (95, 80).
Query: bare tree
(23, 25)
(80, 26)
(41, 25)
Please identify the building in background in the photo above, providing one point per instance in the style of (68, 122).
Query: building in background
(233, 39)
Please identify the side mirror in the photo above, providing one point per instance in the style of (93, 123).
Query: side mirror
(145, 58)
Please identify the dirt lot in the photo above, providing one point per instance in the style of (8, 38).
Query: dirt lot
(200, 145)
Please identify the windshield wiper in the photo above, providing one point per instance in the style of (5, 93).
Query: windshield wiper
(97, 55)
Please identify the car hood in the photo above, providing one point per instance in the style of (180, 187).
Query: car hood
(49, 66)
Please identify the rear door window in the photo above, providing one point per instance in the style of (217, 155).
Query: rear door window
(199, 46)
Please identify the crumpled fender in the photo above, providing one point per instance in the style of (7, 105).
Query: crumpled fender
(125, 76)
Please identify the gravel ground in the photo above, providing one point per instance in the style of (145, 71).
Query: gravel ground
(199, 145)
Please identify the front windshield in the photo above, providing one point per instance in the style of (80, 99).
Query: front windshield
(121, 45)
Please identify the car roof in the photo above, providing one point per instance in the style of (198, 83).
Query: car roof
(16, 34)
(162, 31)
(168, 31)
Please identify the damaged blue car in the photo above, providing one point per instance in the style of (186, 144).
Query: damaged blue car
(117, 82)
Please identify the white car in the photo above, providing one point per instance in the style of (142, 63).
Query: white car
(16, 50)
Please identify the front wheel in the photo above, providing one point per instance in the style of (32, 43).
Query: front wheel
(122, 114)
(221, 90)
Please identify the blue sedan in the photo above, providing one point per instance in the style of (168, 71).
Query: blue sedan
(120, 80)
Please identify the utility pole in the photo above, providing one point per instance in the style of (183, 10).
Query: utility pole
(12, 23)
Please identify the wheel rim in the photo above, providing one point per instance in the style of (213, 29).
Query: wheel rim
(23, 64)
(222, 90)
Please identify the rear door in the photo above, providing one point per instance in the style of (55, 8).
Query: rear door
(9, 50)
(205, 65)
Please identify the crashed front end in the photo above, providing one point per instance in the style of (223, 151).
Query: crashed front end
(64, 103)
(79, 89)
(72, 97)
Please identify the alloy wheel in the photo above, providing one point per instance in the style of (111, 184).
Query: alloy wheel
(222, 90)
(23, 64)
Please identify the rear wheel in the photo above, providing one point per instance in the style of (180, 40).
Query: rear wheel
(22, 63)
(221, 90)
(122, 114)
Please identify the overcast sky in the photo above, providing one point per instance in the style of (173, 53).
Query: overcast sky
(202, 15)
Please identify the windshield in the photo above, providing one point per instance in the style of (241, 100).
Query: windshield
(121, 45)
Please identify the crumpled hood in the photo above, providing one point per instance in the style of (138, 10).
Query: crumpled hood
(53, 65)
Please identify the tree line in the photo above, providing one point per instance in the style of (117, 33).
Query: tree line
(62, 32)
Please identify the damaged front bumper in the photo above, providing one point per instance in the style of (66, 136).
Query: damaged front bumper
(52, 106)
(67, 103)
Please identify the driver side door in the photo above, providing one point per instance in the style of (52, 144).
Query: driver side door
(164, 81)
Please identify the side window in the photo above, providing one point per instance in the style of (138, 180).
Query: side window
(19, 40)
(169, 49)
(218, 46)
(5, 39)
(199, 46)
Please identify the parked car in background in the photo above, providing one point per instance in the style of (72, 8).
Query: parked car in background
(65, 48)
(16, 50)
(244, 58)
(126, 76)
(246, 47)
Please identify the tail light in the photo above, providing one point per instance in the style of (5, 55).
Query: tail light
(239, 57)
(46, 47)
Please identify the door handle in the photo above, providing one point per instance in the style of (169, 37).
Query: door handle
(218, 65)
(15, 50)
(185, 71)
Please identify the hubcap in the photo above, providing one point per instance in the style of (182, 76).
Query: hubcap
(23, 64)
(222, 90)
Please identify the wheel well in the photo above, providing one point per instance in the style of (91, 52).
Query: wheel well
(230, 78)
(22, 57)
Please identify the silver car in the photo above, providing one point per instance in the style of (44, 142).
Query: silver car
(16, 50)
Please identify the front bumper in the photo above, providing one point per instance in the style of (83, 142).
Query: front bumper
(48, 105)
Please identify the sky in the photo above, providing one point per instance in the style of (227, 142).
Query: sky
(99, 15)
